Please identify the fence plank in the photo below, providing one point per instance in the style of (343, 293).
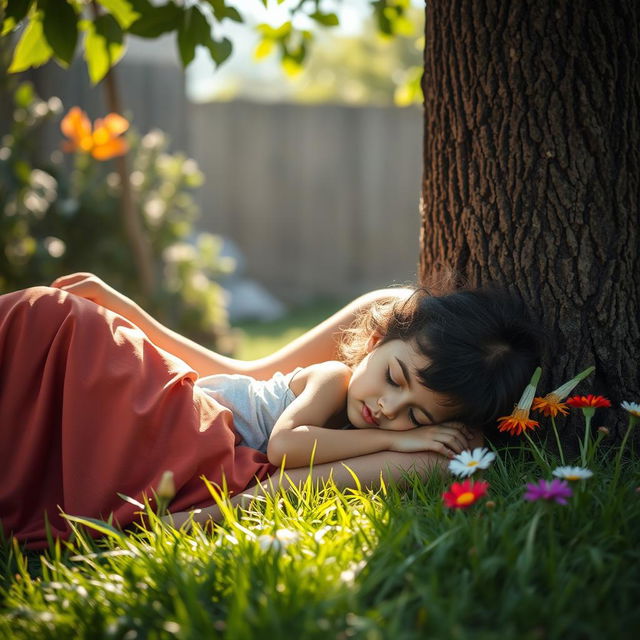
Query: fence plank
(322, 200)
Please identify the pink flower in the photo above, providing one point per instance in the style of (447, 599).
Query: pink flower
(556, 490)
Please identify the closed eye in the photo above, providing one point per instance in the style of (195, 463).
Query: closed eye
(414, 420)
(390, 380)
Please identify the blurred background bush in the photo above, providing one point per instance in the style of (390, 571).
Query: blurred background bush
(62, 215)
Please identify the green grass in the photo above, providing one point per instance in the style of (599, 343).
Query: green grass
(354, 564)
(361, 565)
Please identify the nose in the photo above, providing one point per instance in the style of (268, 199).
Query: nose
(388, 407)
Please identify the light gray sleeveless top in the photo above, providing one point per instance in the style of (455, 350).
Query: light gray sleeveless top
(255, 404)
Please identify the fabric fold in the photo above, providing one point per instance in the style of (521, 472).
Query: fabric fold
(89, 407)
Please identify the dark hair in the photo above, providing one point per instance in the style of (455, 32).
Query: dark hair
(482, 346)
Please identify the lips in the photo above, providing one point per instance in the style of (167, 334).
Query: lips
(368, 416)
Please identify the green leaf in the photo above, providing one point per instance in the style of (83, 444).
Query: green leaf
(122, 10)
(279, 33)
(220, 51)
(24, 95)
(60, 25)
(103, 46)
(154, 21)
(98, 525)
(32, 50)
(233, 14)
(14, 13)
(326, 19)
(132, 501)
(219, 9)
(194, 30)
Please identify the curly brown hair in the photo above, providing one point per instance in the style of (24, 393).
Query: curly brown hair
(353, 343)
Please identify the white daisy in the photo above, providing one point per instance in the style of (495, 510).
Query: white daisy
(467, 462)
(572, 473)
(632, 407)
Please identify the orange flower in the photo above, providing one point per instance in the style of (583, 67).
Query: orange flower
(550, 405)
(517, 423)
(463, 494)
(585, 402)
(102, 142)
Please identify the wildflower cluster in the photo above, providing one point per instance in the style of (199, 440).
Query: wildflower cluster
(464, 494)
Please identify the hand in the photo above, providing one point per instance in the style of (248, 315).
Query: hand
(89, 286)
(447, 439)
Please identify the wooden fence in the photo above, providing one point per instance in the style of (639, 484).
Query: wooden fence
(322, 200)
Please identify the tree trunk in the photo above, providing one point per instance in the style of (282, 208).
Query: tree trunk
(531, 173)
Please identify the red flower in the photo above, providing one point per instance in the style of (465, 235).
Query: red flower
(463, 494)
(584, 402)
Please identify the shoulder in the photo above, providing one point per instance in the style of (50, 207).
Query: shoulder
(332, 374)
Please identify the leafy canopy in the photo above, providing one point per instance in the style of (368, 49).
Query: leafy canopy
(53, 29)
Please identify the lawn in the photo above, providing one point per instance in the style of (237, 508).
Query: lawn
(324, 563)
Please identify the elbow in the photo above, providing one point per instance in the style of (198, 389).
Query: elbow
(276, 451)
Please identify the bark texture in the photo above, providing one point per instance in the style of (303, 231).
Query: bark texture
(531, 172)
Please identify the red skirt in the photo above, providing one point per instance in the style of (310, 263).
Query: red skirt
(89, 407)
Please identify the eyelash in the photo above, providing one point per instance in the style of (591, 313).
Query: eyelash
(393, 383)
(390, 380)
(413, 420)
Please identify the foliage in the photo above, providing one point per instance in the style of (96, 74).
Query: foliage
(365, 69)
(537, 561)
(323, 563)
(50, 210)
(53, 29)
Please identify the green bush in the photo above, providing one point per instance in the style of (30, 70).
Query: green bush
(62, 215)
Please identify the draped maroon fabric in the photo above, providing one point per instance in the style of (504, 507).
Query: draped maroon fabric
(90, 407)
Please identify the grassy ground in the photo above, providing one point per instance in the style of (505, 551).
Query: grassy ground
(322, 563)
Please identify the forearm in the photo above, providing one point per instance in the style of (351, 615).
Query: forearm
(369, 470)
(301, 446)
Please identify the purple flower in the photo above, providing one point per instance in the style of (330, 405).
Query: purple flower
(556, 490)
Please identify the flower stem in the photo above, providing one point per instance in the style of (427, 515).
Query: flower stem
(555, 433)
(536, 450)
(588, 414)
(618, 462)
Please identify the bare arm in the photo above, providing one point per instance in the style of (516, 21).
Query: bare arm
(369, 469)
(317, 345)
(300, 435)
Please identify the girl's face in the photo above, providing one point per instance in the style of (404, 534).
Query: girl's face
(385, 393)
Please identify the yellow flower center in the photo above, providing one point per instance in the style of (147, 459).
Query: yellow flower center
(466, 498)
(472, 463)
(572, 477)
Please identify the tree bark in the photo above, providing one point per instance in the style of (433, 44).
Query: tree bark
(531, 173)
